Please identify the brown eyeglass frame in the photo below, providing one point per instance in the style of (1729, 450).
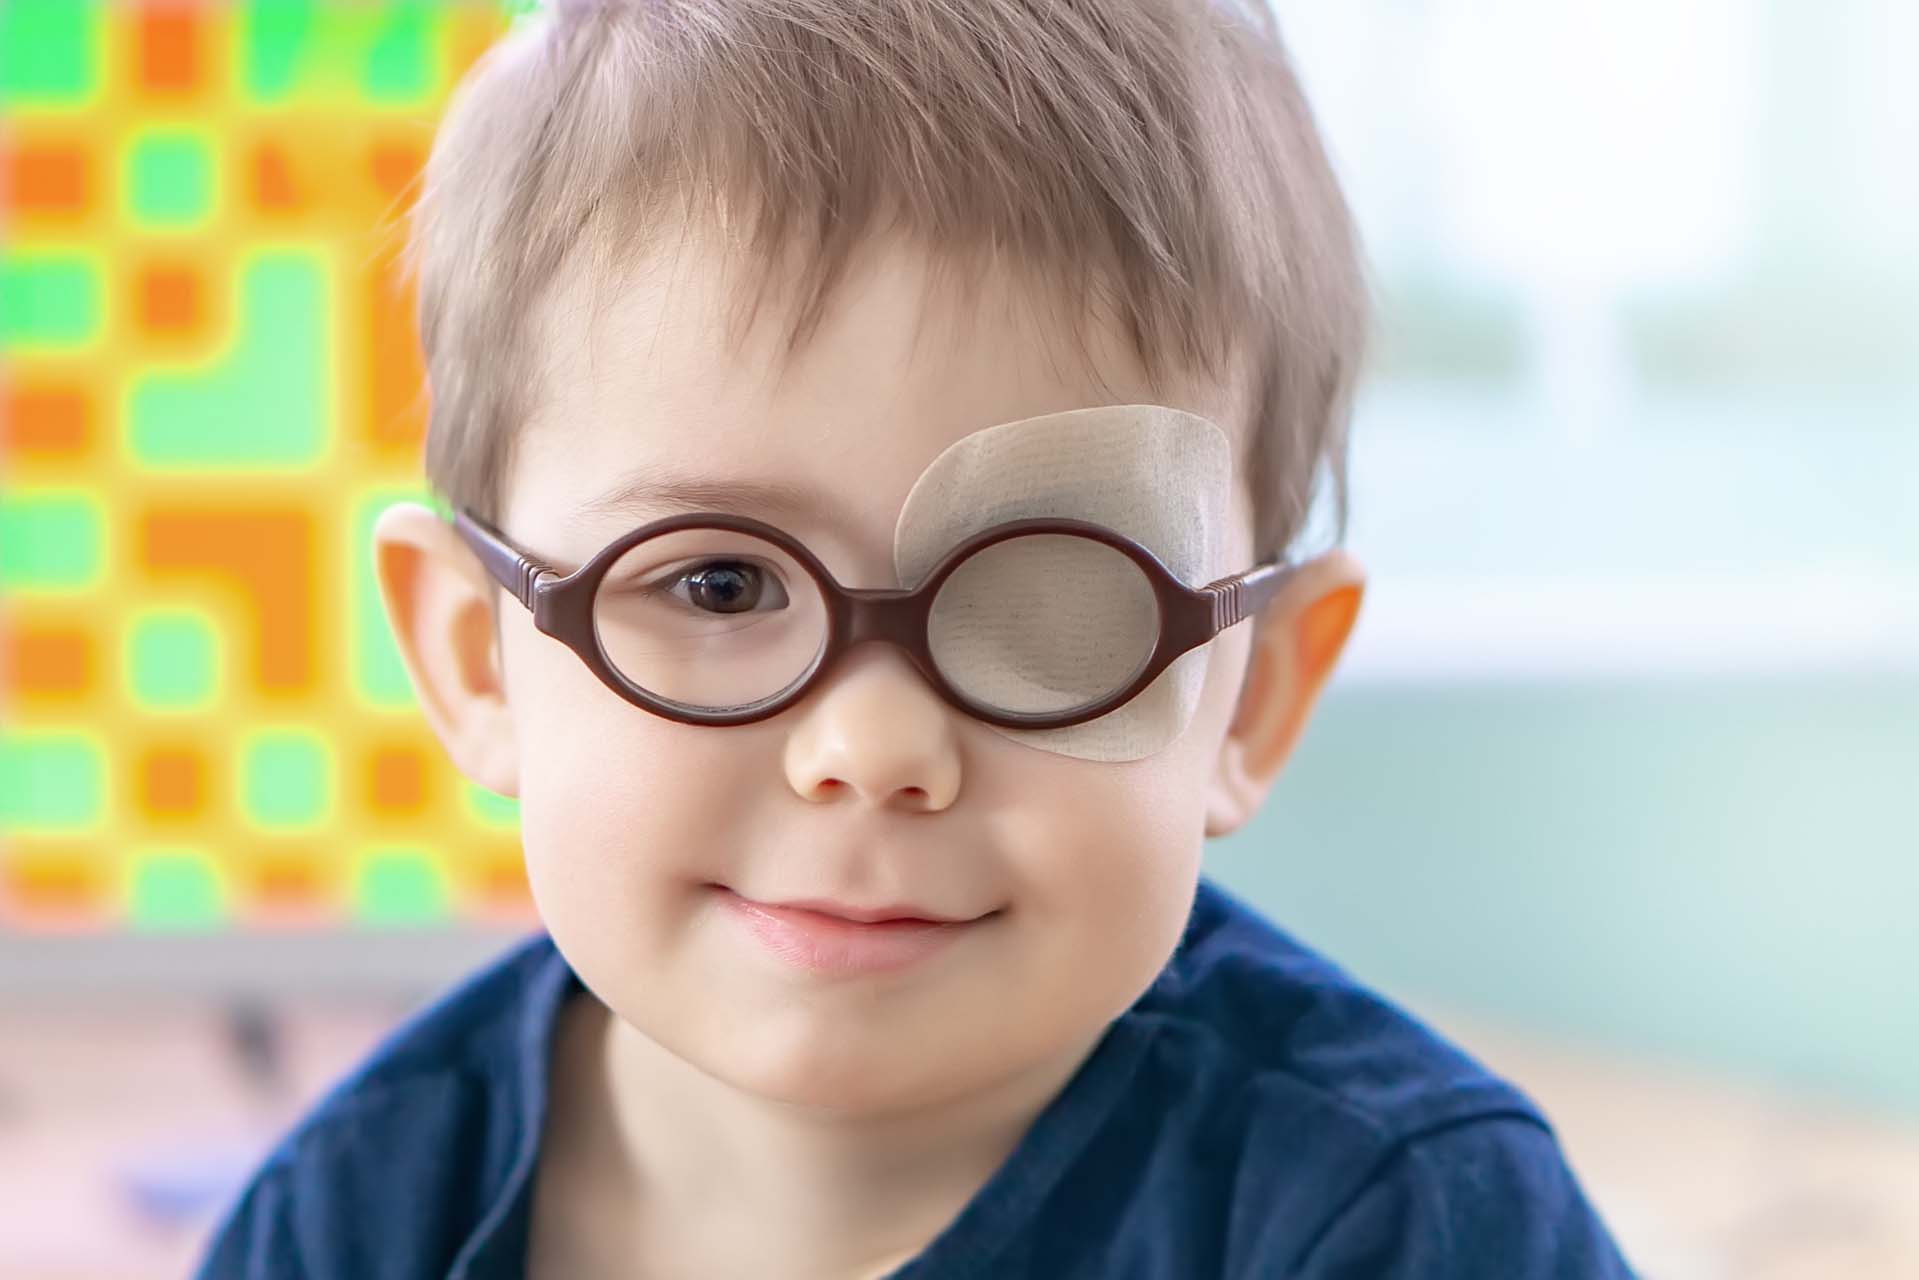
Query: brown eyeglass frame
(563, 608)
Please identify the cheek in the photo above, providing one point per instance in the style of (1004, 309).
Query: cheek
(1108, 856)
(1123, 835)
(617, 805)
(1110, 852)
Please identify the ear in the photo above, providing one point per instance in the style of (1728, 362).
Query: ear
(440, 604)
(1297, 640)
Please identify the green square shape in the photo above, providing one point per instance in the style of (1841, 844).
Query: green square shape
(169, 178)
(281, 355)
(50, 542)
(51, 782)
(285, 778)
(173, 660)
(49, 299)
(175, 889)
(399, 61)
(275, 36)
(49, 51)
(400, 886)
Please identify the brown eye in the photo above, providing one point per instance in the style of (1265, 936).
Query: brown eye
(727, 587)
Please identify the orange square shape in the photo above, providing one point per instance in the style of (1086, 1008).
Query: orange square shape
(49, 420)
(169, 48)
(172, 781)
(51, 660)
(396, 779)
(394, 166)
(275, 188)
(170, 299)
(47, 178)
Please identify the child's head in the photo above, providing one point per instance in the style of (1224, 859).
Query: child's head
(968, 212)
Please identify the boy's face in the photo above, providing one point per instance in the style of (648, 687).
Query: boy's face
(871, 789)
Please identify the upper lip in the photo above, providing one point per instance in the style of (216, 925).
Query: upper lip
(868, 915)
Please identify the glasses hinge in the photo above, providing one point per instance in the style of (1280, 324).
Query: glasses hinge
(529, 578)
(1227, 604)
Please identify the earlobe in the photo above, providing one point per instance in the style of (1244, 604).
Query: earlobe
(439, 604)
(1294, 650)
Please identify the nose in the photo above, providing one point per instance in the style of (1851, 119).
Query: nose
(876, 729)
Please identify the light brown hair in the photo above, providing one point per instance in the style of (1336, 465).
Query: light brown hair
(1154, 161)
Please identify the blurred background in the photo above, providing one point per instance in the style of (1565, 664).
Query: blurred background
(1617, 786)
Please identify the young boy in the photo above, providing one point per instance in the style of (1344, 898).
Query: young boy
(876, 943)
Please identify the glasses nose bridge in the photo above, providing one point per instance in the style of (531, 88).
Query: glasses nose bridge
(885, 613)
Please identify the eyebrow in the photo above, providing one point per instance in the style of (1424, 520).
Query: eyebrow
(655, 492)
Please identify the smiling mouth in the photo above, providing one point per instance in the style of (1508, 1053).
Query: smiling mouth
(831, 944)
(891, 913)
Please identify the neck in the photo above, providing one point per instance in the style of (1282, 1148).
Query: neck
(778, 1187)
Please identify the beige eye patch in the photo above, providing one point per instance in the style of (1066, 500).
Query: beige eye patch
(1159, 475)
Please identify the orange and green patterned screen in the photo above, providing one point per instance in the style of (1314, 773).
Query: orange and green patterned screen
(211, 386)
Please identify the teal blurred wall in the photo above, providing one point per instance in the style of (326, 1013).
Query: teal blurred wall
(1626, 743)
(1718, 872)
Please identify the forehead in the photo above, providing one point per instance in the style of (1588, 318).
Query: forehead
(645, 408)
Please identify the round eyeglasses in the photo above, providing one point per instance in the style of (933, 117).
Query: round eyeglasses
(720, 619)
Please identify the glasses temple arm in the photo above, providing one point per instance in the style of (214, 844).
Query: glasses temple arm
(1245, 594)
(513, 569)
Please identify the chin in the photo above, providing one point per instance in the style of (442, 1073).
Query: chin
(845, 1078)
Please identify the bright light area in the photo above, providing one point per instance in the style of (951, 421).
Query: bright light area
(1646, 397)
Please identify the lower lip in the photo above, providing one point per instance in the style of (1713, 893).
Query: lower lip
(828, 944)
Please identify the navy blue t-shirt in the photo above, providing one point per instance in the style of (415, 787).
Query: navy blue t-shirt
(1256, 1113)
